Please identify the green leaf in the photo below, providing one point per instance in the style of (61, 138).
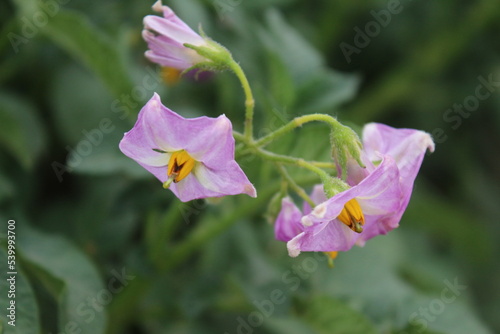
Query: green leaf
(26, 309)
(27, 8)
(298, 55)
(21, 131)
(81, 106)
(106, 159)
(444, 220)
(282, 88)
(7, 188)
(328, 315)
(326, 91)
(371, 278)
(289, 325)
(76, 35)
(90, 129)
(69, 276)
(319, 88)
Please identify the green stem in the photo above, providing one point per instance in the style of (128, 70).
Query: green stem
(312, 166)
(249, 101)
(321, 164)
(298, 189)
(295, 123)
(209, 228)
(293, 161)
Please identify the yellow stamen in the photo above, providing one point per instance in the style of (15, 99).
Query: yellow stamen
(352, 216)
(331, 256)
(179, 166)
(170, 75)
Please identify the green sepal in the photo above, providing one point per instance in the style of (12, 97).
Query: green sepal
(333, 185)
(346, 145)
(218, 57)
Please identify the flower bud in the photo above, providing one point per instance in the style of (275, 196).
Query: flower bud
(346, 145)
(333, 185)
(172, 43)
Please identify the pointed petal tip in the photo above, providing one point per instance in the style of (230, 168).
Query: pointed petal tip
(429, 143)
(158, 6)
(154, 102)
(306, 221)
(249, 189)
(224, 123)
(293, 245)
(156, 97)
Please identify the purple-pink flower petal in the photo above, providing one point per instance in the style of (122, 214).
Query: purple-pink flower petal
(288, 221)
(159, 132)
(382, 189)
(166, 37)
(406, 146)
(379, 195)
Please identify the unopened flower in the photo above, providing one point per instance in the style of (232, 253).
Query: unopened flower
(346, 146)
(372, 206)
(174, 44)
(192, 157)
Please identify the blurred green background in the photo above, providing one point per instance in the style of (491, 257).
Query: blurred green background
(102, 248)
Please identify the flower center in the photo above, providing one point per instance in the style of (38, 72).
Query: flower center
(170, 75)
(352, 216)
(179, 166)
(331, 256)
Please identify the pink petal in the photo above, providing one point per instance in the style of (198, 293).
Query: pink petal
(203, 182)
(288, 223)
(179, 33)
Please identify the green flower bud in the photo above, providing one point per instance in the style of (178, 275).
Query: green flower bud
(333, 185)
(346, 145)
(217, 56)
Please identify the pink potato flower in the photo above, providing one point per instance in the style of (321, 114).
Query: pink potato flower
(192, 157)
(374, 204)
(166, 37)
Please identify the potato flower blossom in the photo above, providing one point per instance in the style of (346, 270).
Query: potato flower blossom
(172, 43)
(192, 157)
(374, 204)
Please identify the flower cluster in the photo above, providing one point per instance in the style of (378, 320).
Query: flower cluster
(195, 158)
(373, 205)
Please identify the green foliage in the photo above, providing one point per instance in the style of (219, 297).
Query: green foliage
(21, 130)
(26, 319)
(73, 33)
(69, 276)
(74, 86)
(328, 315)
